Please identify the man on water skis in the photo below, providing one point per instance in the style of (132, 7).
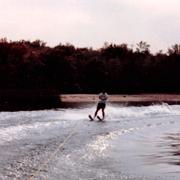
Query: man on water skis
(100, 106)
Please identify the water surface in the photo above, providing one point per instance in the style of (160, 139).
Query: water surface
(133, 143)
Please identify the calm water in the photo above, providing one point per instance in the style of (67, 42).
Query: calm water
(133, 143)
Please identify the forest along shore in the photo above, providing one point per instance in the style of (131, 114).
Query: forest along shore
(141, 99)
(15, 100)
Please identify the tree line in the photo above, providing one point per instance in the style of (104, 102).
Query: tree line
(116, 68)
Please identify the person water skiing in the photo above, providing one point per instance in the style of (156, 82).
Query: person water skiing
(101, 105)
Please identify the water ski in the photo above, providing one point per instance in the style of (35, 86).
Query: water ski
(100, 119)
(90, 117)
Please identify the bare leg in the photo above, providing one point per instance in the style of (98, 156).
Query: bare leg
(103, 113)
(95, 114)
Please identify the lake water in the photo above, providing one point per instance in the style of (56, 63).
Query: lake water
(134, 142)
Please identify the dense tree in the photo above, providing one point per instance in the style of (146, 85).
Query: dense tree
(115, 67)
(174, 50)
(143, 47)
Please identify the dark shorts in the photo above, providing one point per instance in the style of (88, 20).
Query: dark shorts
(101, 105)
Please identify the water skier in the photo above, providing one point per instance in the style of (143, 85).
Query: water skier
(100, 106)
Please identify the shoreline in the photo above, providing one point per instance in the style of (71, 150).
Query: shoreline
(23, 102)
(122, 98)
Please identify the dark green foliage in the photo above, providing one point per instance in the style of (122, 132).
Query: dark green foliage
(66, 69)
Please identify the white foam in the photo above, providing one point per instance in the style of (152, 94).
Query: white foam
(16, 128)
(115, 112)
(18, 132)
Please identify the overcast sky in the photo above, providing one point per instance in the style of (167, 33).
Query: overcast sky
(90, 23)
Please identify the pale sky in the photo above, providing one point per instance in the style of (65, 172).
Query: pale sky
(90, 23)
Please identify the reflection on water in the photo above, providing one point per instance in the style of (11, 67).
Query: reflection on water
(173, 148)
(100, 144)
(165, 151)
